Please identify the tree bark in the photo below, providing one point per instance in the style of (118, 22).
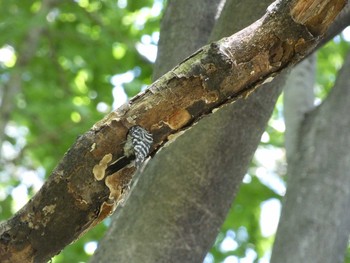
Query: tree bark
(298, 99)
(185, 240)
(314, 225)
(186, 26)
(93, 175)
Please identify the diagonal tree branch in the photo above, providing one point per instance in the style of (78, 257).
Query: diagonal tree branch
(192, 182)
(315, 217)
(184, 29)
(183, 197)
(199, 23)
(93, 175)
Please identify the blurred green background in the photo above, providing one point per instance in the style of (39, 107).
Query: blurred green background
(87, 59)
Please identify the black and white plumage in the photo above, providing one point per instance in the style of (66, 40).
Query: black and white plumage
(138, 143)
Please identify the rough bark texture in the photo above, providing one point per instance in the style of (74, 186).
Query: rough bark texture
(182, 202)
(162, 187)
(342, 21)
(75, 198)
(176, 218)
(315, 222)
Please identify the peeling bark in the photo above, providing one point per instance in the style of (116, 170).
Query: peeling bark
(72, 201)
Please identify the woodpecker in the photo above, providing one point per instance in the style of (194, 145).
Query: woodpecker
(138, 143)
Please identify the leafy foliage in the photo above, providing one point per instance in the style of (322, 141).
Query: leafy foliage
(330, 59)
(66, 86)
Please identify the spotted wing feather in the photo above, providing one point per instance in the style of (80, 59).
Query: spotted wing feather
(141, 141)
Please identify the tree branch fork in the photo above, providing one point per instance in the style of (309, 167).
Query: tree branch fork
(91, 179)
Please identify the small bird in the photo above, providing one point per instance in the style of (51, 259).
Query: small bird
(138, 143)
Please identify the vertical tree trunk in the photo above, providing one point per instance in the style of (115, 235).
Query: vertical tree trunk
(298, 99)
(180, 226)
(186, 26)
(178, 202)
(315, 226)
